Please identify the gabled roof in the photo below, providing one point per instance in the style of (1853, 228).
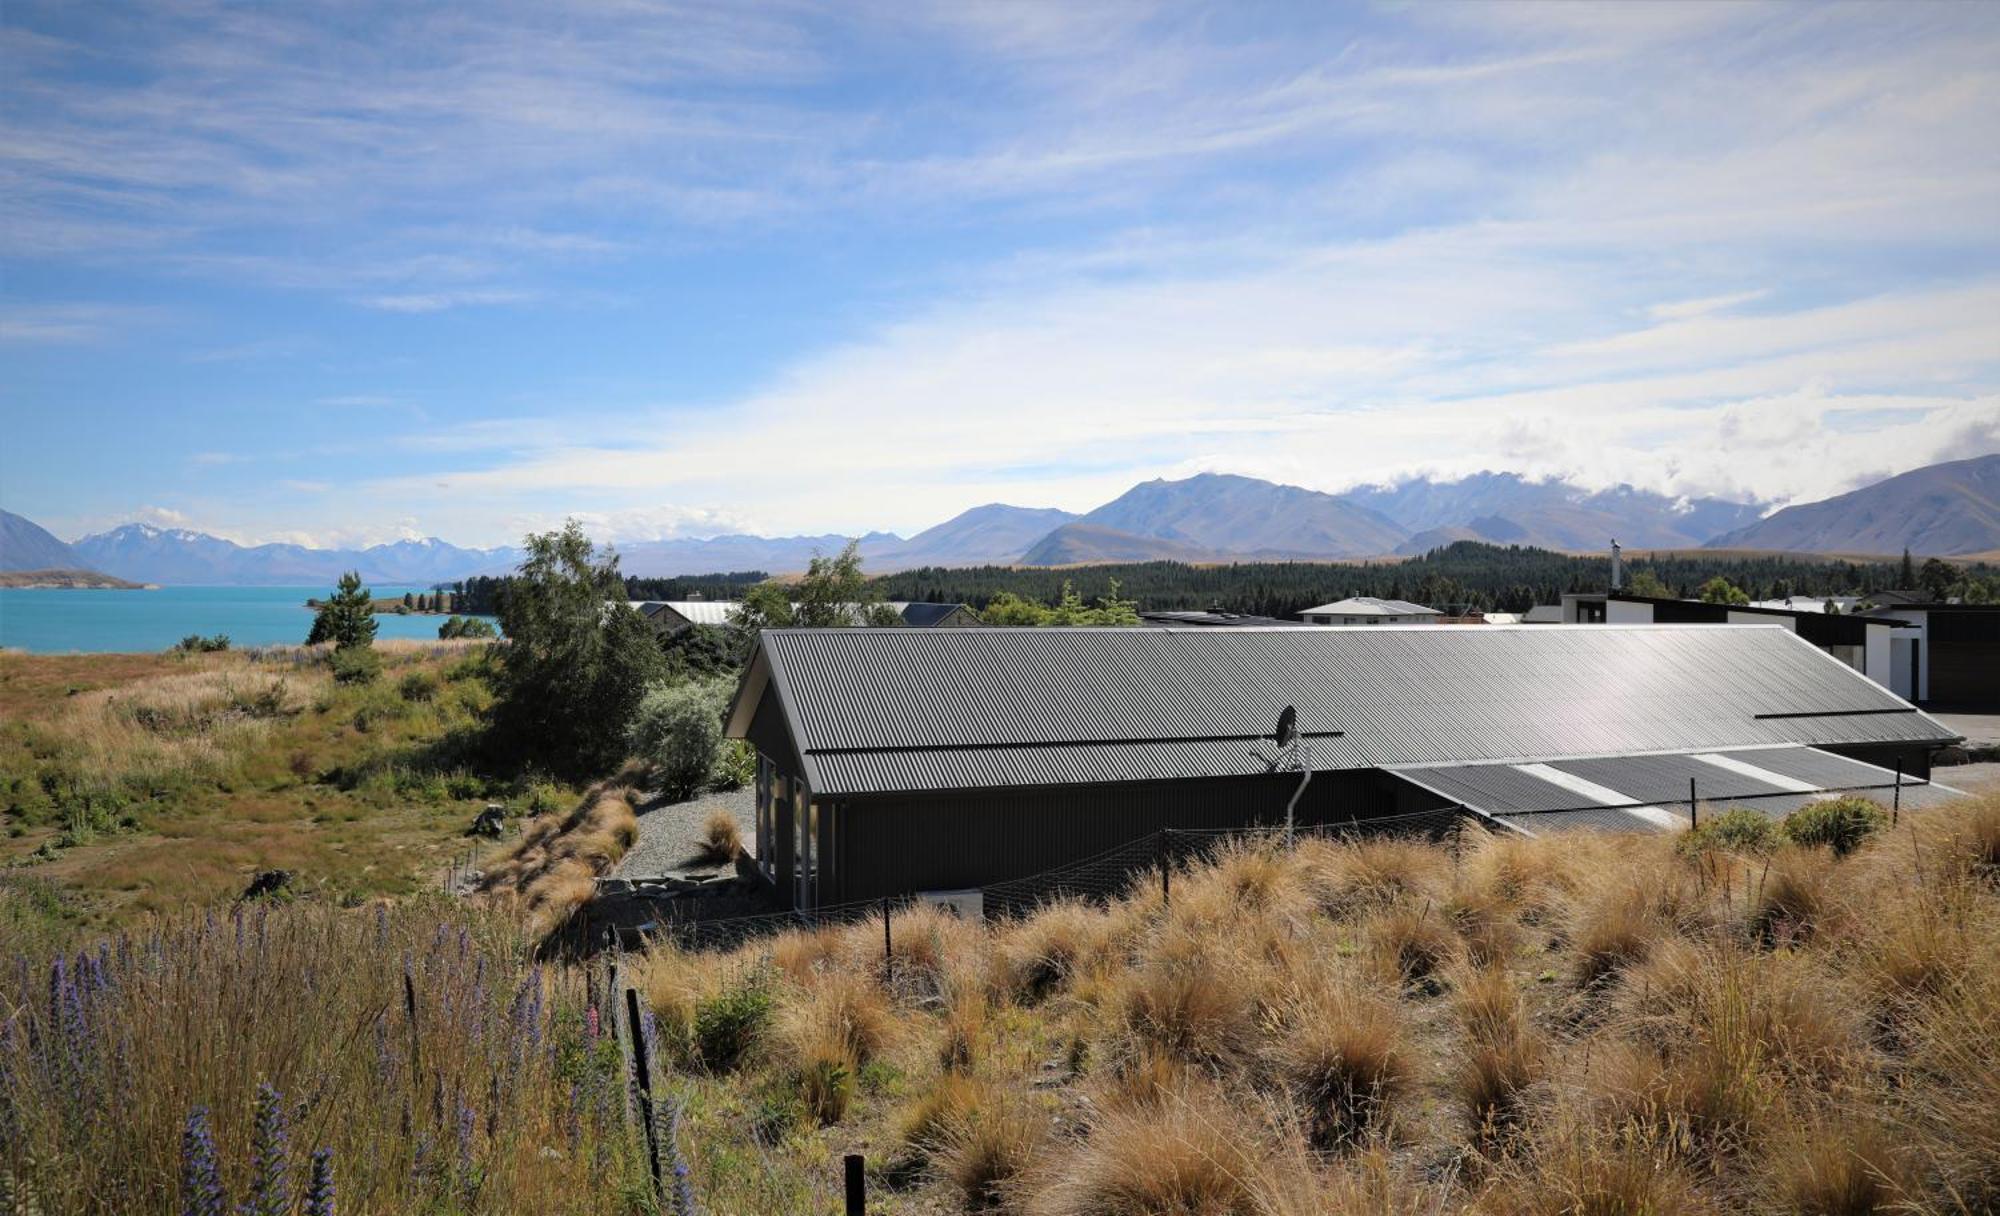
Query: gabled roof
(1369, 605)
(924, 615)
(901, 710)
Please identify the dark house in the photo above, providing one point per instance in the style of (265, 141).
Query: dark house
(1212, 620)
(1944, 654)
(901, 760)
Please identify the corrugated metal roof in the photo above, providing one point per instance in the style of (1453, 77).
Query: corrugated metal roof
(1370, 605)
(1660, 783)
(1440, 695)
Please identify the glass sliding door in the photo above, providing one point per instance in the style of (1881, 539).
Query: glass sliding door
(767, 817)
(805, 851)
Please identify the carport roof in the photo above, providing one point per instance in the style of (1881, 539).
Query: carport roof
(1652, 792)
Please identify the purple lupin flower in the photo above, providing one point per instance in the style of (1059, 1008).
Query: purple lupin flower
(319, 1188)
(201, 1180)
(683, 1177)
(270, 1159)
(468, 1177)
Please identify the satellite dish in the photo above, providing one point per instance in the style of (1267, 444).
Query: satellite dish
(1288, 726)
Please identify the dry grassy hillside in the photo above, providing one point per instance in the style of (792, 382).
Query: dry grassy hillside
(132, 784)
(1583, 1024)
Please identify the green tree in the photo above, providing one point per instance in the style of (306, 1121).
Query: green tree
(1937, 578)
(764, 606)
(348, 619)
(1645, 582)
(1719, 590)
(410, 600)
(1906, 575)
(1011, 611)
(466, 627)
(578, 659)
(701, 652)
(881, 616)
(834, 592)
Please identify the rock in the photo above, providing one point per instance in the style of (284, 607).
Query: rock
(491, 822)
(267, 882)
(1945, 757)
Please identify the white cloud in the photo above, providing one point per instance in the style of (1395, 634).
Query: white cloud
(439, 301)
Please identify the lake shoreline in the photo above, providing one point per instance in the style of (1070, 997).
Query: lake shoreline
(78, 620)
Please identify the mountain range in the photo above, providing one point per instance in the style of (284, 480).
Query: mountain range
(1945, 509)
(1950, 508)
(144, 553)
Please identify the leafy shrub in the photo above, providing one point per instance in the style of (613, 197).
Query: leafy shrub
(356, 664)
(1839, 823)
(736, 765)
(194, 643)
(418, 686)
(729, 1024)
(1734, 831)
(678, 730)
(467, 627)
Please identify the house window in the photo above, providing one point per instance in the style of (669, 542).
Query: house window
(767, 815)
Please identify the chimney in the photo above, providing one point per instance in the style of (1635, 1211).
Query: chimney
(1617, 567)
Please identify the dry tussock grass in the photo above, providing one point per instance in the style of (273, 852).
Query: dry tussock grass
(189, 722)
(552, 870)
(1579, 1024)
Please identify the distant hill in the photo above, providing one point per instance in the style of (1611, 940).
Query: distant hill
(178, 556)
(1939, 510)
(1088, 542)
(994, 534)
(26, 545)
(66, 579)
(1223, 514)
(1508, 509)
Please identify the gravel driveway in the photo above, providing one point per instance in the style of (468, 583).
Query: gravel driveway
(670, 833)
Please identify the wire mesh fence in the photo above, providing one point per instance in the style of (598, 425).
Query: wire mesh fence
(1099, 878)
(1670, 815)
(1154, 857)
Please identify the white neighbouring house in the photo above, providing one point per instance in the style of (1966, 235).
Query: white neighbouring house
(1368, 610)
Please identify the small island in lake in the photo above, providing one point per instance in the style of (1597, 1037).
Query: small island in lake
(67, 580)
(440, 603)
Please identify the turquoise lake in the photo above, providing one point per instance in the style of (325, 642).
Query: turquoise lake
(61, 621)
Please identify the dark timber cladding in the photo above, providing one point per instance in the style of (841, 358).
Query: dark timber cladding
(900, 759)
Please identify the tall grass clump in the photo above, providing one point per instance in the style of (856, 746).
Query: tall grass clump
(256, 1060)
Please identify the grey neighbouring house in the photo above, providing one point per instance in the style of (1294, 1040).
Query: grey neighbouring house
(1370, 610)
(895, 761)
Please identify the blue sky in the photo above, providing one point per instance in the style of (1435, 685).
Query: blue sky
(341, 273)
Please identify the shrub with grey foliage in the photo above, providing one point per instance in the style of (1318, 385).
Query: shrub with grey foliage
(678, 730)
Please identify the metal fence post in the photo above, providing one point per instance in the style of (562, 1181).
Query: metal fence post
(857, 1186)
(1694, 814)
(1166, 868)
(636, 1032)
(888, 946)
(1896, 807)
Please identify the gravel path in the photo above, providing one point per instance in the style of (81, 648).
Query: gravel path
(670, 832)
(1972, 778)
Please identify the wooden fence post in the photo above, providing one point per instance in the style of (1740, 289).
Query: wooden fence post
(636, 1032)
(857, 1186)
(888, 946)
